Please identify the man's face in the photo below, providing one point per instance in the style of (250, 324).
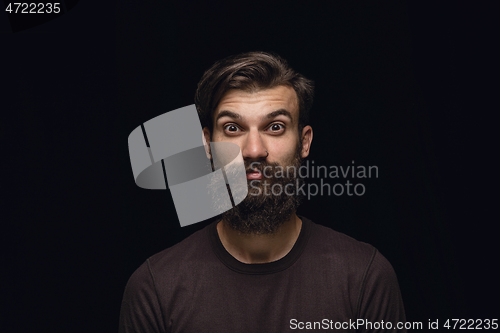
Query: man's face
(266, 120)
(264, 124)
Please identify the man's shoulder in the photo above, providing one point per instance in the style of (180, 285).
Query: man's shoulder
(171, 266)
(339, 247)
(337, 241)
(188, 252)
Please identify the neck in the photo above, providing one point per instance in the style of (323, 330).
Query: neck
(256, 249)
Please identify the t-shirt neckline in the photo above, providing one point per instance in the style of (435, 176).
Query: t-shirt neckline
(266, 268)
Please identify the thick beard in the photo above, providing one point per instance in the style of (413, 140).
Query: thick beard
(263, 212)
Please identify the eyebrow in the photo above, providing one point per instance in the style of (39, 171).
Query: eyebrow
(274, 114)
(230, 114)
(280, 112)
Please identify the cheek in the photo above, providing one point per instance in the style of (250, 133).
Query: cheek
(219, 136)
(283, 151)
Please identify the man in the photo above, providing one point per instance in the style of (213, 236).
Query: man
(260, 267)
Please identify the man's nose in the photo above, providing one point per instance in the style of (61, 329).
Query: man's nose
(254, 147)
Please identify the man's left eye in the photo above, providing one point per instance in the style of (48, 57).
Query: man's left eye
(276, 127)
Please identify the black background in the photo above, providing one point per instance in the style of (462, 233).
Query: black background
(408, 87)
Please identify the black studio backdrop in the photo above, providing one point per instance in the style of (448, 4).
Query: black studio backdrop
(406, 87)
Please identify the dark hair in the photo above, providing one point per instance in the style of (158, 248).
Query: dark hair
(252, 71)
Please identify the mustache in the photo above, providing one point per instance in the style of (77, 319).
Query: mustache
(260, 166)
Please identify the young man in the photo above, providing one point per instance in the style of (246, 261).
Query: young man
(260, 267)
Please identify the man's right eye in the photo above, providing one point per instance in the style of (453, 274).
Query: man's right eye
(231, 128)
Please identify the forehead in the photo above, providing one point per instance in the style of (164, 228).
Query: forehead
(260, 102)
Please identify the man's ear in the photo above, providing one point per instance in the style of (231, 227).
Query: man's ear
(206, 141)
(307, 136)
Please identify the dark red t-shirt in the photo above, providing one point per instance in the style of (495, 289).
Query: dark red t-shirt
(327, 282)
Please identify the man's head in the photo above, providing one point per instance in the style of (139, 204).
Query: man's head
(256, 101)
(252, 71)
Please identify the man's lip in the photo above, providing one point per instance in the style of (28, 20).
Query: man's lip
(254, 174)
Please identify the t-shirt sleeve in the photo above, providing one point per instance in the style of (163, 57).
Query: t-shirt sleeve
(140, 309)
(380, 301)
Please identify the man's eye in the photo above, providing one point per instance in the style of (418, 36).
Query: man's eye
(276, 127)
(231, 128)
